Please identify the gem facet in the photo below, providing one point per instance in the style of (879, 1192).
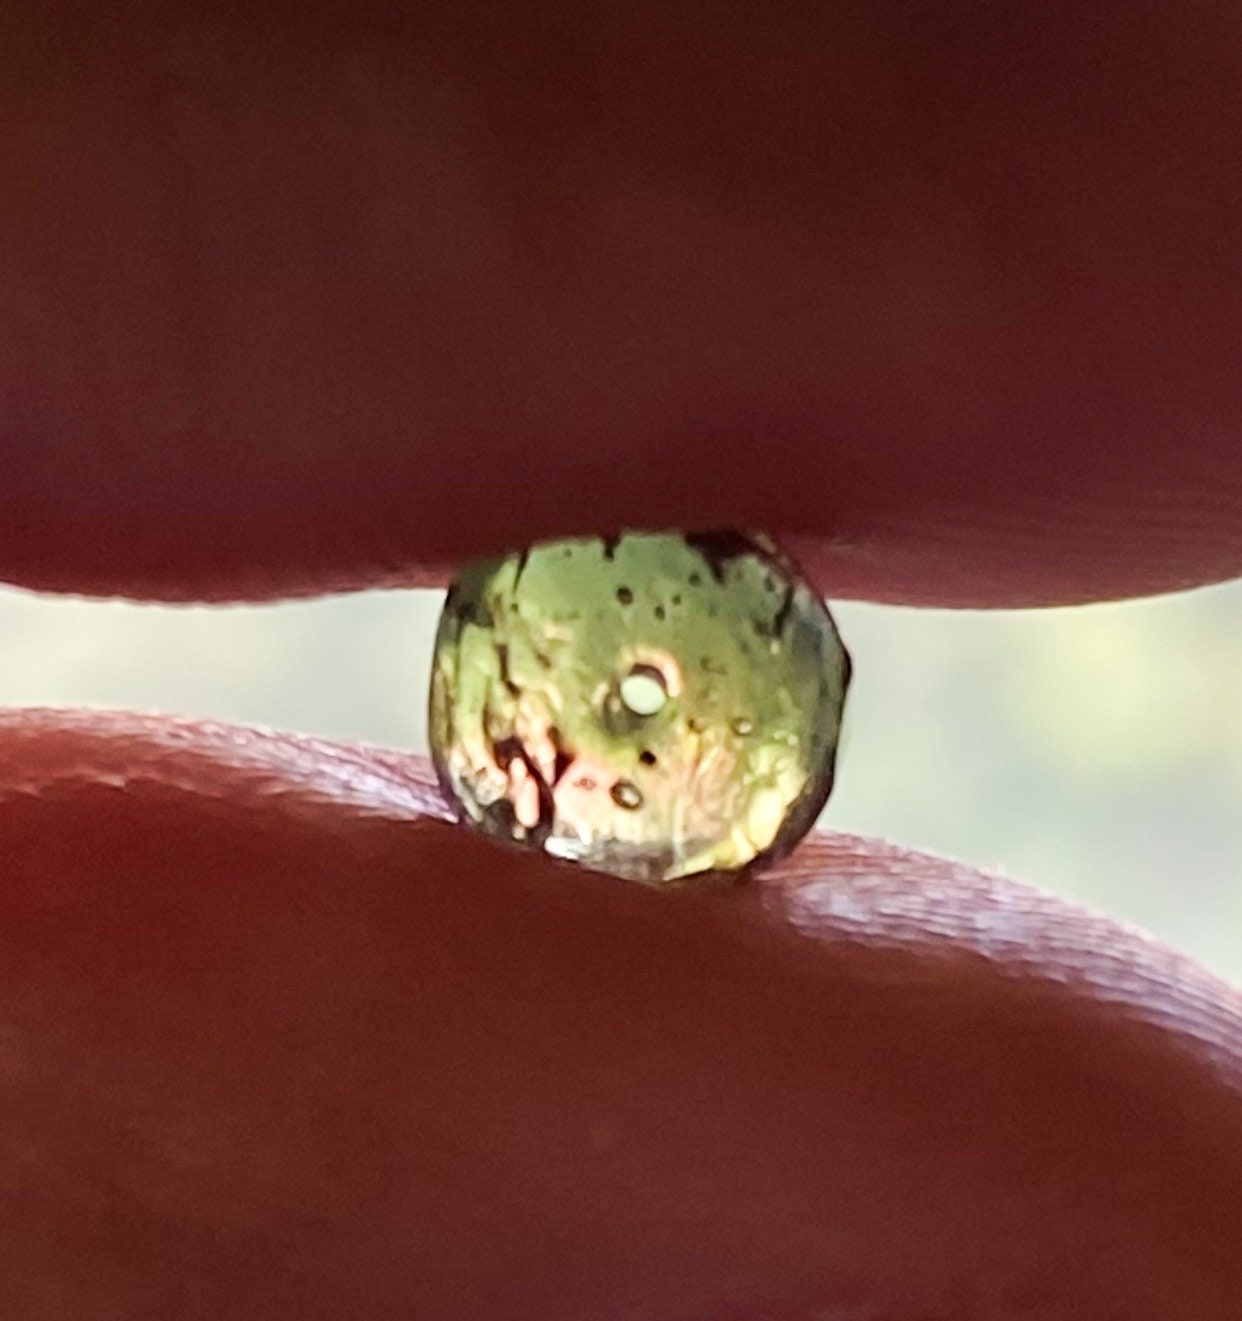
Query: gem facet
(654, 705)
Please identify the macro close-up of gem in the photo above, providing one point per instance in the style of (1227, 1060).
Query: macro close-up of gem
(654, 705)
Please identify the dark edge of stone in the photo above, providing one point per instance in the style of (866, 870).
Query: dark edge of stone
(718, 547)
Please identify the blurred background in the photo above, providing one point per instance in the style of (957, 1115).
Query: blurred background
(1096, 750)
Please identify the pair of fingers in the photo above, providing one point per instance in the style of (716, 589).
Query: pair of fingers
(328, 297)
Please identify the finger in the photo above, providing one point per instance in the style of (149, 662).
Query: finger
(277, 1043)
(304, 297)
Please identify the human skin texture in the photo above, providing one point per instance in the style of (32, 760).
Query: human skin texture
(319, 297)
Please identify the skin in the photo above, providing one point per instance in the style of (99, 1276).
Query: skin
(314, 297)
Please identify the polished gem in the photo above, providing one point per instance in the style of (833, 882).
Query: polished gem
(654, 705)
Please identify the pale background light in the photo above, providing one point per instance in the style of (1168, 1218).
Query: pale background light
(1096, 750)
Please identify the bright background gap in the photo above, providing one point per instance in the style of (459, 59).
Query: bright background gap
(1094, 750)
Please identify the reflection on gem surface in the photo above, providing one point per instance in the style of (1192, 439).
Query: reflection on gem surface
(654, 705)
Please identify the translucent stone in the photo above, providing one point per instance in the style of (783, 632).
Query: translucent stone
(654, 705)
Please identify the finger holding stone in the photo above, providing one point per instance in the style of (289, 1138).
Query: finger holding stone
(279, 1042)
(307, 298)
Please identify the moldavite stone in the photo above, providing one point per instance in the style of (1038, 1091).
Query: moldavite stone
(653, 705)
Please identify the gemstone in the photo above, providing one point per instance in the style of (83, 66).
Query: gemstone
(654, 705)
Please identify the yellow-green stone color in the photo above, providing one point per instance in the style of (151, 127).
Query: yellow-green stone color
(654, 705)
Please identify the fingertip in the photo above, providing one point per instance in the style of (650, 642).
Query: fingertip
(365, 1060)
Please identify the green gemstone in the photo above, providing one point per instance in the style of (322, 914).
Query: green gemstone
(653, 706)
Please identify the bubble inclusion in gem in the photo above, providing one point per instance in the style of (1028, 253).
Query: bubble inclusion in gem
(655, 705)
